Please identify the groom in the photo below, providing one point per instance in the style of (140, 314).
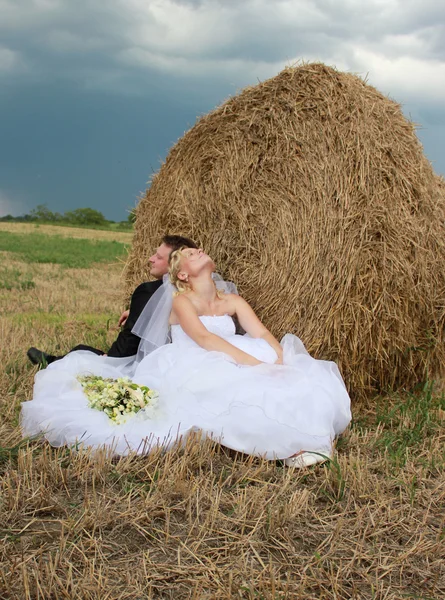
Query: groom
(126, 343)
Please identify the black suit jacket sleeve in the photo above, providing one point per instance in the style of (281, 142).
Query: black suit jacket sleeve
(127, 343)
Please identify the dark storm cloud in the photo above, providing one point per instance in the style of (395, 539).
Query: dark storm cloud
(94, 93)
(240, 40)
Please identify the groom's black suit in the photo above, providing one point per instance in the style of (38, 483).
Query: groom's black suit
(126, 343)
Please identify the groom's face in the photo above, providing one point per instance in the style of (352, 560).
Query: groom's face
(159, 261)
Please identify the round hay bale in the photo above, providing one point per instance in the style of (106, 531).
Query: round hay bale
(312, 193)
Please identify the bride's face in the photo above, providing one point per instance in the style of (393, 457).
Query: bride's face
(193, 262)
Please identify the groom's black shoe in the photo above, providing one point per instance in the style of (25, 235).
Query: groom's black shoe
(38, 357)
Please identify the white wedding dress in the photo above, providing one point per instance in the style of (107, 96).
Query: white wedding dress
(268, 410)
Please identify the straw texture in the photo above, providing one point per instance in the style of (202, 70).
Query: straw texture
(311, 191)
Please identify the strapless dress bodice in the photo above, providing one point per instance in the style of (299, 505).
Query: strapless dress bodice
(220, 325)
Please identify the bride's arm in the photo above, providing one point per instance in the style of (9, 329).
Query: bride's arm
(185, 313)
(253, 326)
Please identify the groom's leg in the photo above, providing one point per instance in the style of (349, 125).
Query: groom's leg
(89, 348)
(39, 357)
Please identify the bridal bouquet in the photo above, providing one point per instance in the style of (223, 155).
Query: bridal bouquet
(120, 399)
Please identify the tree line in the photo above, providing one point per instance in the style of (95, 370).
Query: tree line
(79, 216)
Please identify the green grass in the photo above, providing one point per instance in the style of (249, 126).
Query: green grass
(70, 252)
(408, 421)
(14, 279)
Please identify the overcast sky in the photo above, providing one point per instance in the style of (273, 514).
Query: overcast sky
(93, 93)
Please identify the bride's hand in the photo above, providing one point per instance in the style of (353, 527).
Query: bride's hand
(254, 362)
(279, 360)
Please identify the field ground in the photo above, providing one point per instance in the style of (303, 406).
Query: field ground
(125, 229)
(202, 522)
(65, 231)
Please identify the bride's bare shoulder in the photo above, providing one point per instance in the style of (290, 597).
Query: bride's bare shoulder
(231, 302)
(182, 304)
(182, 301)
(235, 298)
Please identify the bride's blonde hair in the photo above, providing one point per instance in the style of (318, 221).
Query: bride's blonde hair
(174, 268)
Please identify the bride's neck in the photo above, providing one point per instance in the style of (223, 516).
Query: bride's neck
(204, 287)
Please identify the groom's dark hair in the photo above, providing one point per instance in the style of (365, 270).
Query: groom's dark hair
(178, 241)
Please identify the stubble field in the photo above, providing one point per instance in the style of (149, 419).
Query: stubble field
(199, 522)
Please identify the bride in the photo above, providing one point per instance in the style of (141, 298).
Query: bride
(248, 392)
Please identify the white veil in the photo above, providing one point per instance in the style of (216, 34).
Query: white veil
(153, 326)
